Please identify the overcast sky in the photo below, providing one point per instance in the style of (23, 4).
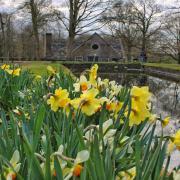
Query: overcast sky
(11, 4)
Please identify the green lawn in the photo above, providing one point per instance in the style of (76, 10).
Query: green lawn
(163, 65)
(40, 68)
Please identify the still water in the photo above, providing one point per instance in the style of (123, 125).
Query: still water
(165, 102)
(166, 94)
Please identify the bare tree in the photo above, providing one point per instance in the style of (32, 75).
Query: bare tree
(120, 22)
(6, 34)
(147, 19)
(82, 17)
(38, 10)
(170, 43)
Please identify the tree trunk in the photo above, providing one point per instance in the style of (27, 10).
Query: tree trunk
(70, 46)
(143, 50)
(3, 36)
(129, 55)
(35, 27)
(178, 57)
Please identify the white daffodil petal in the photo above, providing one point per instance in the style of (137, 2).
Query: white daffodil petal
(83, 78)
(69, 176)
(63, 164)
(61, 149)
(76, 87)
(17, 167)
(9, 177)
(82, 156)
(15, 158)
(110, 133)
(107, 124)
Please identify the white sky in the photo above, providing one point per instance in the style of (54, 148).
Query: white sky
(11, 4)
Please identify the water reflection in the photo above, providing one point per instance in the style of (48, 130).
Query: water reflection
(166, 94)
(165, 101)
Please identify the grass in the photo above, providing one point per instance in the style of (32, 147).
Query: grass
(164, 65)
(40, 68)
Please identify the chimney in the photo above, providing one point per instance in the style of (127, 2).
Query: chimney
(48, 46)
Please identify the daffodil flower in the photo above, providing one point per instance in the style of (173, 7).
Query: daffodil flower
(174, 142)
(51, 70)
(58, 154)
(14, 72)
(139, 105)
(5, 66)
(82, 85)
(59, 99)
(165, 122)
(93, 75)
(12, 173)
(77, 168)
(88, 103)
(108, 133)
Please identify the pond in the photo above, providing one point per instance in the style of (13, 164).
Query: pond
(165, 102)
(166, 94)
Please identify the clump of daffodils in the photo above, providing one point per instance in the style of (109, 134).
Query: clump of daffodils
(13, 72)
(91, 100)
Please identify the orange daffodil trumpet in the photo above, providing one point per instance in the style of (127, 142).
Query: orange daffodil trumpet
(82, 85)
(77, 167)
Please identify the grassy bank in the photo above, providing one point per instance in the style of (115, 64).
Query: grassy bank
(163, 65)
(39, 68)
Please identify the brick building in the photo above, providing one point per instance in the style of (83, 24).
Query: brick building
(95, 48)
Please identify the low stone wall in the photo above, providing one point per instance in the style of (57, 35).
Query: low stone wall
(105, 67)
(112, 70)
(163, 73)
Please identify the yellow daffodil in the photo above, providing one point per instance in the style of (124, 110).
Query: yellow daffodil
(174, 142)
(14, 72)
(176, 139)
(59, 99)
(139, 105)
(93, 75)
(77, 168)
(12, 173)
(38, 77)
(165, 122)
(153, 118)
(139, 112)
(51, 70)
(88, 103)
(141, 94)
(5, 66)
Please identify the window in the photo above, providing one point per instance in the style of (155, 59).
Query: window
(95, 46)
(79, 58)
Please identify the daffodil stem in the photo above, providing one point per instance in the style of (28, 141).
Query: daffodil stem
(40, 157)
(90, 127)
(63, 157)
